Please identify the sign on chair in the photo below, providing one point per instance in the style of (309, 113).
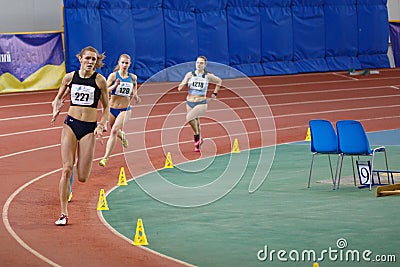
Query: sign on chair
(364, 173)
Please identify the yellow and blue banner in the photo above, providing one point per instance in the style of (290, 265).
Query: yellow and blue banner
(31, 61)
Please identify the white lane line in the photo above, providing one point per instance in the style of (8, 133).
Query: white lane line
(31, 131)
(345, 76)
(144, 94)
(212, 123)
(249, 97)
(20, 241)
(10, 229)
(27, 151)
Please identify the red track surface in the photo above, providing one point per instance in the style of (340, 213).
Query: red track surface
(30, 163)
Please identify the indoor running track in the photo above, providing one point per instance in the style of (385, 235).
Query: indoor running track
(30, 164)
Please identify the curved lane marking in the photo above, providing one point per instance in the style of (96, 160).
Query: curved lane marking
(9, 228)
(36, 253)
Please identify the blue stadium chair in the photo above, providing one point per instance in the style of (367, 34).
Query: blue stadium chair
(323, 141)
(353, 141)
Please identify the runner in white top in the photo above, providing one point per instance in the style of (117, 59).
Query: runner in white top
(196, 101)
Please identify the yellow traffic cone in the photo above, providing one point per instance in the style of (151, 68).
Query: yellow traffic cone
(122, 177)
(308, 135)
(168, 162)
(140, 236)
(102, 204)
(235, 148)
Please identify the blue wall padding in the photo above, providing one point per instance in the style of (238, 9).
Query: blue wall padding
(373, 31)
(113, 4)
(82, 28)
(212, 25)
(82, 4)
(150, 51)
(257, 37)
(277, 37)
(210, 5)
(309, 37)
(180, 36)
(112, 20)
(244, 38)
(181, 5)
(146, 3)
(341, 46)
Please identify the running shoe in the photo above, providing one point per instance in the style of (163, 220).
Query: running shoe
(124, 140)
(197, 145)
(70, 197)
(63, 220)
(103, 162)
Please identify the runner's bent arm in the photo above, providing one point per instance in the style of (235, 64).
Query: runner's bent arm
(110, 82)
(135, 92)
(184, 81)
(62, 92)
(217, 81)
(102, 84)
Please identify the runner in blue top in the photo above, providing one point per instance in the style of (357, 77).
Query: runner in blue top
(196, 101)
(122, 86)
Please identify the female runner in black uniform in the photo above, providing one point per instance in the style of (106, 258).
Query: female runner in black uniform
(80, 130)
